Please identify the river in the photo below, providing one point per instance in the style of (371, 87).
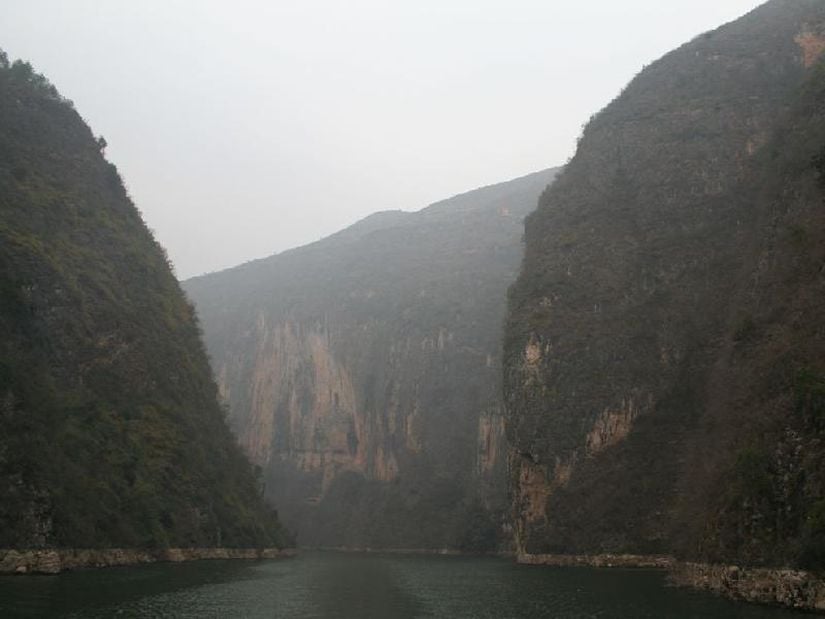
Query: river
(330, 584)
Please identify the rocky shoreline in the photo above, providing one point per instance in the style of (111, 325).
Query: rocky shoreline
(56, 560)
(786, 587)
(795, 589)
(605, 560)
(393, 551)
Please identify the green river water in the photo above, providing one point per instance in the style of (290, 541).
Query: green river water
(329, 584)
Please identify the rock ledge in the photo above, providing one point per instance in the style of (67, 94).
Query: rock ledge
(55, 560)
(775, 586)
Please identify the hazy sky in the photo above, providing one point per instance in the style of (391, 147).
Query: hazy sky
(243, 128)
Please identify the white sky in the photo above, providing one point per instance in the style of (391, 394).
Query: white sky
(246, 127)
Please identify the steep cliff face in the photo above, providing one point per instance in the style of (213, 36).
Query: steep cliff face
(362, 372)
(664, 348)
(111, 431)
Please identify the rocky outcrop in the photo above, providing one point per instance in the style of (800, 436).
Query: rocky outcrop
(612, 426)
(605, 560)
(491, 445)
(54, 561)
(300, 391)
(363, 372)
(796, 589)
(785, 587)
(812, 42)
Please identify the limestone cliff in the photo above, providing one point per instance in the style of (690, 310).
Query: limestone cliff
(664, 350)
(362, 372)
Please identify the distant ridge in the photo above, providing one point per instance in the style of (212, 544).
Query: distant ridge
(362, 372)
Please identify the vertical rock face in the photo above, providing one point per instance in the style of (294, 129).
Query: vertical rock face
(111, 433)
(299, 390)
(662, 336)
(362, 373)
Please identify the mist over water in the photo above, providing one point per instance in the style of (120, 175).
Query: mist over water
(328, 584)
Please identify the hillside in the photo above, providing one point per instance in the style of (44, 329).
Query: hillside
(112, 435)
(362, 372)
(665, 352)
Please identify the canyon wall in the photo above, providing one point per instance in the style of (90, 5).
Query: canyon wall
(362, 373)
(665, 355)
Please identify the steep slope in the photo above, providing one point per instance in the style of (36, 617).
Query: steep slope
(362, 372)
(664, 356)
(112, 435)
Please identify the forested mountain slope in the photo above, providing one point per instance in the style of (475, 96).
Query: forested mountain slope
(665, 347)
(111, 434)
(363, 374)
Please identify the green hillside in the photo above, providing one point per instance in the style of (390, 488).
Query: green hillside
(665, 352)
(112, 435)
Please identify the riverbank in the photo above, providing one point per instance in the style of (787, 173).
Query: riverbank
(795, 589)
(605, 560)
(451, 552)
(792, 588)
(56, 560)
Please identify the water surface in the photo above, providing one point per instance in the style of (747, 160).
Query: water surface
(328, 584)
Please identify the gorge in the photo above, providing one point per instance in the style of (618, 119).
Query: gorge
(615, 363)
(362, 372)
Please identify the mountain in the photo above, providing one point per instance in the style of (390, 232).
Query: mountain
(112, 434)
(664, 351)
(363, 375)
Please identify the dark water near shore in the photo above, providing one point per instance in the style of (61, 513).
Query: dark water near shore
(328, 584)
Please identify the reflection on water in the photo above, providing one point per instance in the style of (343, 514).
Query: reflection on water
(329, 584)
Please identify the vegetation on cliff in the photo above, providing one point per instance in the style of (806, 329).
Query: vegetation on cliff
(665, 355)
(111, 432)
(363, 372)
